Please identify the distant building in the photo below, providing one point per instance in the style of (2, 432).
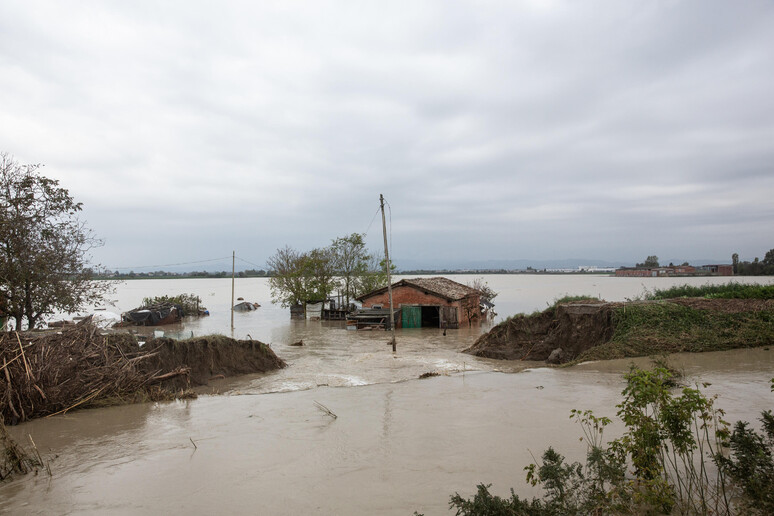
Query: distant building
(719, 270)
(428, 302)
(675, 270)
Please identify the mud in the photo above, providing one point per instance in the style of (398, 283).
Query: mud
(570, 328)
(207, 358)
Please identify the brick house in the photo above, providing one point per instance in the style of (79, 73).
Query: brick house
(429, 302)
(675, 270)
(720, 269)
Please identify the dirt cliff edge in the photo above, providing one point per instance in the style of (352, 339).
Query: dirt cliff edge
(589, 330)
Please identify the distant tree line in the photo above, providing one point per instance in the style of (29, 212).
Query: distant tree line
(756, 267)
(249, 273)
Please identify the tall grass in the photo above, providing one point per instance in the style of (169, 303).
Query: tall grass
(648, 328)
(732, 290)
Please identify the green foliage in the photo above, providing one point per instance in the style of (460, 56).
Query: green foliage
(751, 465)
(731, 290)
(643, 329)
(573, 299)
(191, 303)
(484, 503)
(374, 276)
(650, 262)
(43, 247)
(669, 442)
(296, 277)
(756, 267)
(351, 261)
(300, 277)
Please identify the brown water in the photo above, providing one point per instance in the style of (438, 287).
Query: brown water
(399, 444)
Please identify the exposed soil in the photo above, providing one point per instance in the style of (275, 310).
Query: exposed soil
(80, 366)
(566, 332)
(208, 357)
(572, 328)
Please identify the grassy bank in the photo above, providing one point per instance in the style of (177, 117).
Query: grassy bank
(678, 319)
(647, 328)
(731, 290)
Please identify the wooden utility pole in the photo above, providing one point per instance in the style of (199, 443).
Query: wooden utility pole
(233, 262)
(389, 278)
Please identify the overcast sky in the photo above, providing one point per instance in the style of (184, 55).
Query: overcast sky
(495, 130)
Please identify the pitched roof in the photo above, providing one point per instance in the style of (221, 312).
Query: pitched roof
(440, 286)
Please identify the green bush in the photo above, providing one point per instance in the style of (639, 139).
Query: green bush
(191, 303)
(661, 465)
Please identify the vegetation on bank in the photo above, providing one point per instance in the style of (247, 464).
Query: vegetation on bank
(677, 455)
(725, 317)
(646, 328)
(731, 290)
(641, 329)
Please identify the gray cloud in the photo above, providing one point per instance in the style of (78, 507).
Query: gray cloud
(500, 130)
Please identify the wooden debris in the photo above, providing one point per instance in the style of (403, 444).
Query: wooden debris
(326, 410)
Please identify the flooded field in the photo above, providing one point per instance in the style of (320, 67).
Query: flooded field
(399, 443)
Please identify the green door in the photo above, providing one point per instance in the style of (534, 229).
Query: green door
(411, 316)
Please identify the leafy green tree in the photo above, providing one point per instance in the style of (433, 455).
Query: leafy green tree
(297, 278)
(735, 262)
(351, 260)
(319, 274)
(768, 262)
(650, 261)
(287, 277)
(44, 247)
(375, 275)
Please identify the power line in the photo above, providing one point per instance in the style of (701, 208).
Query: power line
(372, 222)
(251, 263)
(171, 264)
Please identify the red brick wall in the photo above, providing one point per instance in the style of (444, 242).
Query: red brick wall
(639, 273)
(405, 295)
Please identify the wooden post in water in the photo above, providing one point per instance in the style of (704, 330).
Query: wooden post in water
(389, 278)
(233, 262)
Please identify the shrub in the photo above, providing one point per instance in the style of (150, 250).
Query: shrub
(191, 303)
(671, 443)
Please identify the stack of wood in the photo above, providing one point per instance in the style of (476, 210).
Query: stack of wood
(51, 373)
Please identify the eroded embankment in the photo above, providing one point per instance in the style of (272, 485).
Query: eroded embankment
(50, 373)
(601, 330)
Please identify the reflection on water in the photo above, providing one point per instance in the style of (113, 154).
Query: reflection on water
(399, 444)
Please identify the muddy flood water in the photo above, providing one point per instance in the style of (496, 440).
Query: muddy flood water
(399, 444)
